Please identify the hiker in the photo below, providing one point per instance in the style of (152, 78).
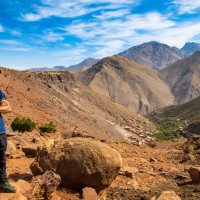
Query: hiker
(4, 108)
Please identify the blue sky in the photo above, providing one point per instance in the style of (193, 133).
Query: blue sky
(46, 33)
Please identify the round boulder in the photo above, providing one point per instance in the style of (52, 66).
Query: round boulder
(80, 162)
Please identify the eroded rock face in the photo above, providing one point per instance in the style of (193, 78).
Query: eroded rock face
(80, 162)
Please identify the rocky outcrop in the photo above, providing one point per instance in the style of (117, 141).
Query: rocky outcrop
(80, 162)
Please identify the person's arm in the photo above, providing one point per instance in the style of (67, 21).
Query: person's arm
(5, 107)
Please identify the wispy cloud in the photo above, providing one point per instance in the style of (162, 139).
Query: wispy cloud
(13, 45)
(52, 37)
(187, 6)
(15, 32)
(1, 28)
(76, 8)
(112, 36)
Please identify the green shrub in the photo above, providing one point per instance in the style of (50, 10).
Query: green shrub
(23, 125)
(49, 128)
(190, 149)
(167, 129)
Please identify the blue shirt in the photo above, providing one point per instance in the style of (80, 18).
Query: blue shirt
(2, 124)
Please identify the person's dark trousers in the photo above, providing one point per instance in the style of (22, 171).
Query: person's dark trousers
(3, 146)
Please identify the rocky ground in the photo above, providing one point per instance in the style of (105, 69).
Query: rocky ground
(146, 171)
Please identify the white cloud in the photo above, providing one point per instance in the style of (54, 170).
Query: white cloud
(76, 8)
(53, 37)
(112, 14)
(112, 36)
(187, 6)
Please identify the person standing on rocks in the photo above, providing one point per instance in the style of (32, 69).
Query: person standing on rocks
(4, 108)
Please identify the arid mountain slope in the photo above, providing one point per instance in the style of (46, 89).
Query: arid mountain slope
(153, 54)
(184, 78)
(57, 97)
(187, 111)
(82, 66)
(125, 82)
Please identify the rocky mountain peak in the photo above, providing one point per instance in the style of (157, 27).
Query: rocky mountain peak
(191, 47)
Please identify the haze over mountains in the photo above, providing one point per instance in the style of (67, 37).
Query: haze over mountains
(152, 54)
(82, 66)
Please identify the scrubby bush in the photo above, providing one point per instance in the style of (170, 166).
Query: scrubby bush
(49, 128)
(22, 125)
(168, 129)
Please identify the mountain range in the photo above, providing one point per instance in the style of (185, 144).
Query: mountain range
(142, 89)
(152, 54)
(157, 55)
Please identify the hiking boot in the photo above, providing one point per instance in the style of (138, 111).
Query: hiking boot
(7, 188)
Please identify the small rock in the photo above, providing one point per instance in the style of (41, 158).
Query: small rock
(30, 151)
(36, 140)
(49, 181)
(191, 157)
(152, 159)
(195, 174)
(11, 149)
(179, 176)
(128, 171)
(89, 194)
(167, 195)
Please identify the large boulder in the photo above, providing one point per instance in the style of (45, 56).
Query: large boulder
(80, 162)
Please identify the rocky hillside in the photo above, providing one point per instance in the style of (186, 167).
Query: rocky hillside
(153, 54)
(57, 97)
(183, 77)
(82, 66)
(188, 111)
(125, 82)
